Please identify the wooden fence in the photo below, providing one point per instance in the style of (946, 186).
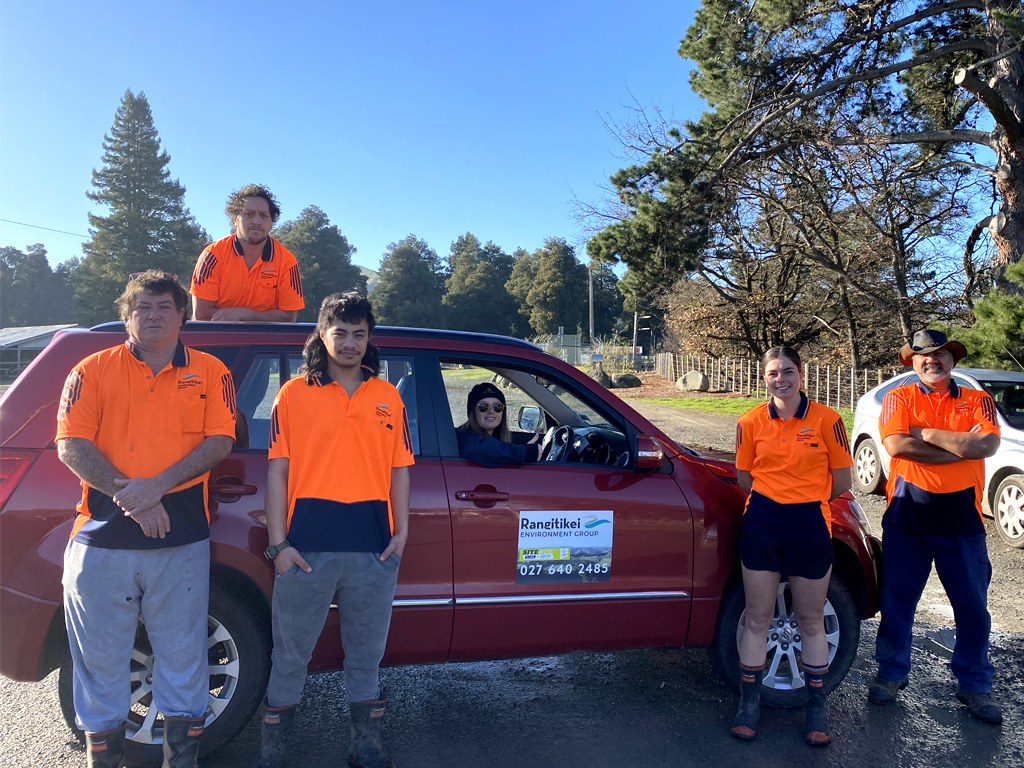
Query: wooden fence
(832, 385)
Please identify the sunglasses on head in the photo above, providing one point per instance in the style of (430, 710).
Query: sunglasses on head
(137, 275)
(485, 407)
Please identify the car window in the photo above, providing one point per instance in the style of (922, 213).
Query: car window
(399, 371)
(226, 355)
(963, 383)
(1009, 397)
(460, 378)
(255, 396)
(899, 381)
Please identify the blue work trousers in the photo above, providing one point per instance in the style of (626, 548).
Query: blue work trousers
(965, 572)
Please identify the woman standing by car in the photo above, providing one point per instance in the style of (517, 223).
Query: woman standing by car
(792, 457)
(484, 437)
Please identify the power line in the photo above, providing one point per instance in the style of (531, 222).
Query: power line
(48, 229)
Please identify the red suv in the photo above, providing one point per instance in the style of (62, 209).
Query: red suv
(619, 538)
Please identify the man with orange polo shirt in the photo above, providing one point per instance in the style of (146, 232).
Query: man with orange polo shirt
(248, 276)
(142, 424)
(337, 518)
(938, 435)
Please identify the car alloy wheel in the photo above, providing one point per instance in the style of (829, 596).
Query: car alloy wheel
(1009, 510)
(867, 468)
(784, 670)
(783, 678)
(238, 655)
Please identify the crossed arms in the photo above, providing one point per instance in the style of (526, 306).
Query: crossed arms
(941, 446)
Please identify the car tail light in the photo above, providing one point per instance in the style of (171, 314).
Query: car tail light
(13, 466)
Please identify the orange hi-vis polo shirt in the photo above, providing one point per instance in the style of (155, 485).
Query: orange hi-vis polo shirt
(273, 282)
(937, 498)
(144, 423)
(340, 453)
(789, 463)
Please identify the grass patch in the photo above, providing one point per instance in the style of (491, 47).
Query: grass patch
(463, 373)
(731, 405)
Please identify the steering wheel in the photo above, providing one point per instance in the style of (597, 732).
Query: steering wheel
(545, 444)
(559, 443)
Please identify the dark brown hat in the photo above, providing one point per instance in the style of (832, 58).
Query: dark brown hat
(930, 341)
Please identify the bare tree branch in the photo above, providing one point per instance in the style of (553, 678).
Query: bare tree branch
(1001, 112)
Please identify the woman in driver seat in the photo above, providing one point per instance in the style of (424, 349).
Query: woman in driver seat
(484, 437)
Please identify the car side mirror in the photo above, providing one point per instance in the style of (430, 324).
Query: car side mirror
(529, 418)
(649, 453)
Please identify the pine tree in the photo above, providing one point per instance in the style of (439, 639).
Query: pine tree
(996, 340)
(324, 256)
(31, 293)
(518, 285)
(148, 226)
(558, 297)
(475, 296)
(409, 287)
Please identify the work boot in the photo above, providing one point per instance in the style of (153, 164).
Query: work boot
(981, 706)
(744, 725)
(277, 721)
(366, 739)
(818, 733)
(181, 741)
(105, 749)
(884, 691)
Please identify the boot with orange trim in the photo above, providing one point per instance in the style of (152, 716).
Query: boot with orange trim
(105, 749)
(744, 725)
(277, 721)
(366, 743)
(818, 733)
(181, 741)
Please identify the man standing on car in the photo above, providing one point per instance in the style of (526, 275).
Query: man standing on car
(938, 435)
(248, 276)
(338, 488)
(142, 424)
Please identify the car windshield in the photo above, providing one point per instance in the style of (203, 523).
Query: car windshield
(1009, 397)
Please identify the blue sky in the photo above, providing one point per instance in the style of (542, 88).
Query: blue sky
(394, 117)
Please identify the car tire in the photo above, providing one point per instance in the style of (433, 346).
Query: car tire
(239, 645)
(1008, 510)
(783, 689)
(868, 475)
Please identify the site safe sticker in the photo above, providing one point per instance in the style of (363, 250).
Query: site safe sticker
(560, 547)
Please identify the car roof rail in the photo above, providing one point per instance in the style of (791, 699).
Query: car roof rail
(116, 326)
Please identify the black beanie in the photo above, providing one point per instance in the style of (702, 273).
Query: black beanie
(479, 392)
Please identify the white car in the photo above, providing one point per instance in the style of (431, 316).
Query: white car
(1004, 472)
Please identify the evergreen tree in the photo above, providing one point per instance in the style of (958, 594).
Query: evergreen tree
(31, 293)
(324, 256)
(410, 285)
(607, 301)
(475, 296)
(558, 297)
(518, 285)
(996, 340)
(148, 226)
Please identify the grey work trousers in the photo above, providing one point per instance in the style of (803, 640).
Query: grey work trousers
(363, 588)
(105, 591)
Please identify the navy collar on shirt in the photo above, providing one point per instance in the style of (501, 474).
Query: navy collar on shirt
(954, 389)
(325, 378)
(268, 248)
(801, 410)
(180, 359)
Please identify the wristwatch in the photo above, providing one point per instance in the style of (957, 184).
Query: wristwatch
(272, 551)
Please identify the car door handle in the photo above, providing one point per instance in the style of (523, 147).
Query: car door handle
(481, 496)
(227, 489)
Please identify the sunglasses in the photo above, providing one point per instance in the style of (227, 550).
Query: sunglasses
(137, 275)
(485, 407)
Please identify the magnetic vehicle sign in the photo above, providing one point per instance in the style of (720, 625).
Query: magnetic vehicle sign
(560, 547)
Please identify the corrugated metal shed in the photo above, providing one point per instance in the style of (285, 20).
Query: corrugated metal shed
(30, 337)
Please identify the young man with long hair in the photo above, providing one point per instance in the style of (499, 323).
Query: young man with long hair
(338, 520)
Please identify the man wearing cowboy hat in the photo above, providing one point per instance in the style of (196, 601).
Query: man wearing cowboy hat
(938, 435)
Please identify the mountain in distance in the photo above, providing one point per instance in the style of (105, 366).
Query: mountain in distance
(371, 277)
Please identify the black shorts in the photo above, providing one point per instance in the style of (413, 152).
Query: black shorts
(808, 559)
